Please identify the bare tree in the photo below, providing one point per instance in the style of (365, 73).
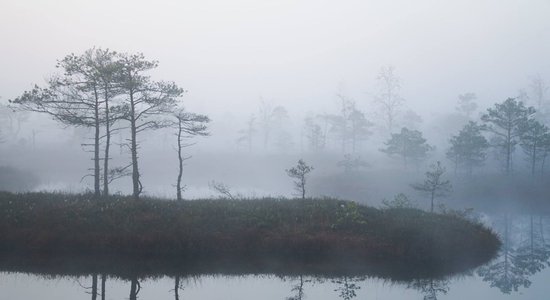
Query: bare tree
(223, 189)
(299, 172)
(266, 120)
(434, 185)
(388, 97)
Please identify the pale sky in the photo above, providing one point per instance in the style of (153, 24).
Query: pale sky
(228, 53)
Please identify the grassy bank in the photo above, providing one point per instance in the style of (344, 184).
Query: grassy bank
(306, 231)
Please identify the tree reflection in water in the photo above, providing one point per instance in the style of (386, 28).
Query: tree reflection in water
(298, 288)
(347, 287)
(178, 285)
(430, 288)
(519, 258)
(135, 287)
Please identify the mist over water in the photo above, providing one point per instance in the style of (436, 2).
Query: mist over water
(378, 98)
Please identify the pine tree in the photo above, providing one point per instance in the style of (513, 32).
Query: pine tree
(434, 185)
(469, 147)
(409, 145)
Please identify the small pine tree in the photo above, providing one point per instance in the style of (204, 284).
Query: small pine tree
(299, 172)
(434, 185)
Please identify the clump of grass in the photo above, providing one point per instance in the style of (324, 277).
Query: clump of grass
(277, 229)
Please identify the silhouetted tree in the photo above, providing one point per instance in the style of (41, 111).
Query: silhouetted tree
(359, 127)
(469, 147)
(352, 164)
(146, 104)
(399, 201)
(409, 145)
(506, 121)
(73, 98)
(466, 104)
(388, 97)
(534, 140)
(434, 185)
(539, 93)
(314, 134)
(187, 125)
(246, 134)
(339, 122)
(350, 126)
(271, 118)
(109, 78)
(11, 122)
(299, 172)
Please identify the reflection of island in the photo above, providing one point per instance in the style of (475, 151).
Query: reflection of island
(313, 237)
(518, 260)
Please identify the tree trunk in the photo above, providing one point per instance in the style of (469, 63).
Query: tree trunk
(506, 244)
(133, 148)
(533, 159)
(97, 191)
(509, 151)
(176, 288)
(541, 225)
(103, 281)
(545, 154)
(107, 146)
(94, 287)
(134, 289)
(532, 236)
(180, 161)
(432, 206)
(303, 183)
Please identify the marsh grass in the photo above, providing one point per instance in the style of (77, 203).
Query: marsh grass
(259, 234)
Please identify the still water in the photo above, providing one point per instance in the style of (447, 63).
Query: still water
(520, 272)
(24, 286)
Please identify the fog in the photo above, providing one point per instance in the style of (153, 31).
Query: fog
(231, 57)
(336, 84)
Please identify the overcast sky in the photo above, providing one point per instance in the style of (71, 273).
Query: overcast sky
(228, 53)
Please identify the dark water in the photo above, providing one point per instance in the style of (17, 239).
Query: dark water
(520, 272)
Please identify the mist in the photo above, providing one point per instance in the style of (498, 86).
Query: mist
(441, 107)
